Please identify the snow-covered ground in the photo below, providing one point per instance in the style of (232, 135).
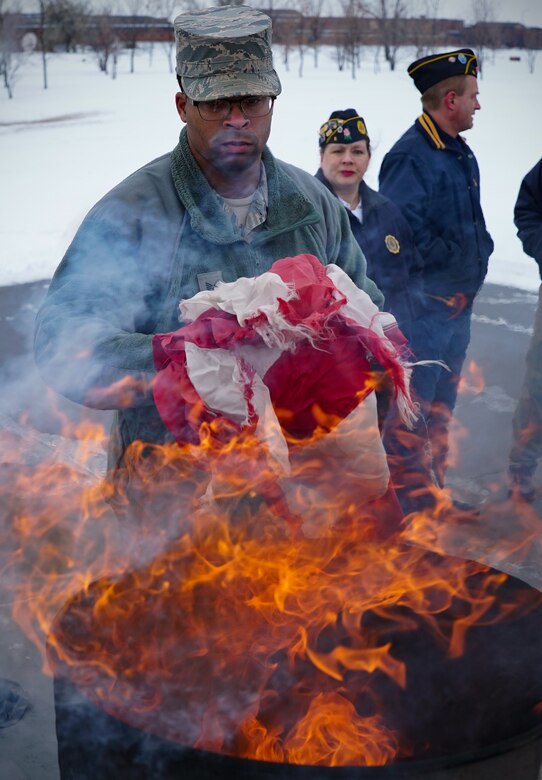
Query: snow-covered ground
(62, 148)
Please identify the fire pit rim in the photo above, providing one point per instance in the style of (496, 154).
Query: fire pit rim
(403, 767)
(417, 766)
(407, 768)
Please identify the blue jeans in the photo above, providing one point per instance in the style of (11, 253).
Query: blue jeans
(418, 458)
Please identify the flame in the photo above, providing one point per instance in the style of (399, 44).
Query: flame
(472, 381)
(275, 635)
(122, 394)
(323, 725)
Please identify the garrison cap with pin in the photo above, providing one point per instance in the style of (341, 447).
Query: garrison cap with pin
(343, 127)
(429, 70)
(225, 52)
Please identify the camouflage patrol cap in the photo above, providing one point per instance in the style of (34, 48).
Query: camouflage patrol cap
(225, 52)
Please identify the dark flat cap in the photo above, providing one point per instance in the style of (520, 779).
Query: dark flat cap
(343, 127)
(428, 71)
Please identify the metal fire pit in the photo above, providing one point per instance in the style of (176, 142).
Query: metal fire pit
(475, 717)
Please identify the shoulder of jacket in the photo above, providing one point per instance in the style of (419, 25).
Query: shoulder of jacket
(152, 183)
(297, 174)
(372, 198)
(313, 189)
(411, 146)
(154, 173)
(533, 178)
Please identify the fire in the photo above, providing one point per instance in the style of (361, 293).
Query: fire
(334, 727)
(472, 380)
(221, 618)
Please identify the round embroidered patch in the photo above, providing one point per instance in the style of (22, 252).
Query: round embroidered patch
(392, 245)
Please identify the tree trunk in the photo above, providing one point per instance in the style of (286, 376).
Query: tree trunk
(7, 83)
(44, 64)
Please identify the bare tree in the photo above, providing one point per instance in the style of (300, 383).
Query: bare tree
(350, 39)
(390, 16)
(285, 28)
(286, 47)
(531, 48)
(135, 8)
(426, 31)
(43, 33)
(11, 57)
(166, 9)
(116, 50)
(301, 32)
(309, 27)
(482, 33)
(58, 20)
(104, 41)
(339, 54)
(431, 8)
(376, 61)
(316, 27)
(66, 22)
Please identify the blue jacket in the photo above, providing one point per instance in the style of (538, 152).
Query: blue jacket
(528, 214)
(435, 181)
(388, 245)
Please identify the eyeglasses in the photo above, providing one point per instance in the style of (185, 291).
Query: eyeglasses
(251, 107)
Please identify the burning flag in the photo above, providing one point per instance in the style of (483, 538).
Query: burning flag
(288, 356)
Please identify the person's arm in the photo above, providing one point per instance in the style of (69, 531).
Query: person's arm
(90, 341)
(528, 213)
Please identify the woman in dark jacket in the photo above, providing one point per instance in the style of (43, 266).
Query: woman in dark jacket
(377, 224)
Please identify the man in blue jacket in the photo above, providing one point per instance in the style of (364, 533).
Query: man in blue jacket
(432, 175)
(527, 424)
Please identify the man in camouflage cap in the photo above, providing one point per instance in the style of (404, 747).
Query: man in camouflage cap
(225, 53)
(218, 207)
